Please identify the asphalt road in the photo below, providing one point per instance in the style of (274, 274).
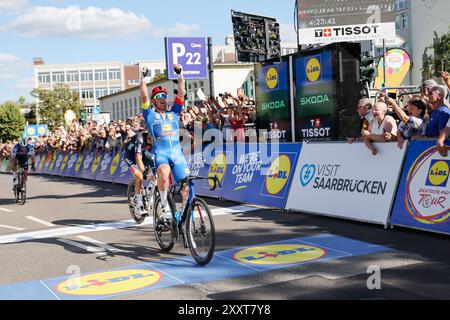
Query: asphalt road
(69, 224)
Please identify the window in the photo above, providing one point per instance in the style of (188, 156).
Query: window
(72, 76)
(100, 75)
(44, 77)
(397, 22)
(58, 77)
(114, 74)
(86, 75)
(400, 4)
(114, 90)
(101, 92)
(404, 21)
(87, 93)
(133, 82)
(157, 72)
(135, 102)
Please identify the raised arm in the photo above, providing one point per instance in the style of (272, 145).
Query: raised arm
(144, 93)
(399, 111)
(181, 83)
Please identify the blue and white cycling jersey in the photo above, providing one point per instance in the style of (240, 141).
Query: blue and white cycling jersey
(20, 152)
(165, 131)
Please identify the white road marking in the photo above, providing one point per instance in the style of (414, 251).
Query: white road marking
(100, 244)
(5, 210)
(79, 229)
(45, 223)
(95, 250)
(10, 227)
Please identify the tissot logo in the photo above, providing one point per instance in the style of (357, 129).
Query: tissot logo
(346, 31)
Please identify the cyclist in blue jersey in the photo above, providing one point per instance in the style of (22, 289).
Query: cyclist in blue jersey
(19, 156)
(164, 124)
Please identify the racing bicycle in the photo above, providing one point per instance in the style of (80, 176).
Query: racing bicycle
(148, 197)
(20, 189)
(194, 223)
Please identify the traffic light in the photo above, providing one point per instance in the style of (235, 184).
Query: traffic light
(368, 68)
(83, 117)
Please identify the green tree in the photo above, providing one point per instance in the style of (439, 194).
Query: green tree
(434, 64)
(53, 104)
(12, 122)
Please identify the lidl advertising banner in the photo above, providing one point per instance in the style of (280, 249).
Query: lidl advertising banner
(95, 165)
(105, 165)
(85, 169)
(252, 173)
(315, 111)
(58, 163)
(423, 197)
(123, 174)
(273, 102)
(49, 158)
(74, 158)
(346, 180)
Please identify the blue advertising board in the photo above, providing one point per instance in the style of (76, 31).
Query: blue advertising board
(85, 168)
(105, 165)
(122, 171)
(252, 173)
(190, 53)
(423, 196)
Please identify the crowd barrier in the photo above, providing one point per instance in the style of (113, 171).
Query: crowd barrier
(407, 187)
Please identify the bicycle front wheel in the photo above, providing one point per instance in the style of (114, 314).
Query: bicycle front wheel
(200, 232)
(165, 230)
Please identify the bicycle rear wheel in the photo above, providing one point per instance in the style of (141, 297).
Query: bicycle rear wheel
(165, 230)
(200, 232)
(130, 195)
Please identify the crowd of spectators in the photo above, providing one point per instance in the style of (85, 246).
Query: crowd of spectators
(230, 114)
(424, 116)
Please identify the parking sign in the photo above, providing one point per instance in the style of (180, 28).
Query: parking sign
(190, 53)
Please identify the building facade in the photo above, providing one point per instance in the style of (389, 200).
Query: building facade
(417, 22)
(91, 81)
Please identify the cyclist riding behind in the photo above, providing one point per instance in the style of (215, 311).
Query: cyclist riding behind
(140, 158)
(164, 125)
(19, 156)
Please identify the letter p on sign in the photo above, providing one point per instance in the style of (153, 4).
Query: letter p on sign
(179, 50)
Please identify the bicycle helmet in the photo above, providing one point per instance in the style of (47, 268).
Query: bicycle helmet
(23, 142)
(157, 90)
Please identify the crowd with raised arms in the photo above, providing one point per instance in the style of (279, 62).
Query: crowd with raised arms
(230, 114)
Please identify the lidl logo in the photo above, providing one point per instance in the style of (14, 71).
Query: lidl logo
(108, 283)
(114, 164)
(41, 130)
(31, 131)
(313, 69)
(279, 254)
(272, 78)
(438, 173)
(218, 168)
(278, 174)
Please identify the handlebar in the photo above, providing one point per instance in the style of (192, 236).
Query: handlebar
(214, 179)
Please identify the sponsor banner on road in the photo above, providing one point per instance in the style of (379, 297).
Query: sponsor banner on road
(346, 180)
(423, 197)
(252, 173)
(123, 174)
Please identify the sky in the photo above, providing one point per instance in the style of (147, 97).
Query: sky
(129, 31)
